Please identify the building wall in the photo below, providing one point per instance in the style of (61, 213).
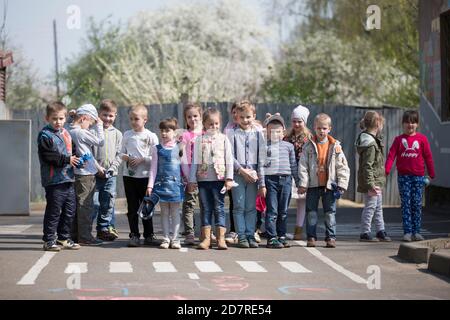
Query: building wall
(432, 123)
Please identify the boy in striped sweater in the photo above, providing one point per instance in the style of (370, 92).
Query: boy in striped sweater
(279, 169)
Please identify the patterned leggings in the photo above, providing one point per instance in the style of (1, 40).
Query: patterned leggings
(411, 190)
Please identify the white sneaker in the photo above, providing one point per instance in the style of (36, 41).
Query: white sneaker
(407, 237)
(175, 244)
(164, 244)
(257, 237)
(418, 237)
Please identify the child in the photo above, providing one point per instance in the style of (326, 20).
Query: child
(57, 160)
(213, 169)
(298, 135)
(412, 151)
(371, 179)
(322, 165)
(248, 147)
(192, 116)
(109, 160)
(84, 140)
(231, 237)
(136, 149)
(279, 170)
(166, 181)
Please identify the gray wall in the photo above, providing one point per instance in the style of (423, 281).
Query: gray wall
(15, 166)
(345, 128)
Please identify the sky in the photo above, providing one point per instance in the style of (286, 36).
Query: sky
(29, 24)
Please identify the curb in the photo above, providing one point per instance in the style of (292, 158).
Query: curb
(439, 263)
(420, 251)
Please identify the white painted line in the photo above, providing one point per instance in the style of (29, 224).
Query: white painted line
(207, 266)
(120, 267)
(14, 229)
(336, 266)
(76, 267)
(32, 274)
(294, 267)
(164, 267)
(193, 276)
(183, 249)
(251, 266)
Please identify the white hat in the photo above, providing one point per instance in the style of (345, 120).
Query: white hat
(300, 112)
(89, 110)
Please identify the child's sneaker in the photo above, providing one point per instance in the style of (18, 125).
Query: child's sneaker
(274, 244)
(243, 243)
(113, 231)
(284, 242)
(175, 244)
(68, 244)
(105, 235)
(189, 239)
(90, 242)
(252, 242)
(367, 237)
(151, 240)
(407, 237)
(231, 238)
(134, 242)
(257, 238)
(417, 237)
(311, 242)
(165, 244)
(51, 246)
(382, 236)
(331, 243)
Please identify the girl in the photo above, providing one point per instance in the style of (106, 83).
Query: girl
(165, 180)
(412, 151)
(371, 179)
(298, 135)
(192, 117)
(213, 169)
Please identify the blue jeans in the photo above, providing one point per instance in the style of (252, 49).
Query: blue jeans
(277, 204)
(212, 201)
(104, 197)
(244, 207)
(329, 207)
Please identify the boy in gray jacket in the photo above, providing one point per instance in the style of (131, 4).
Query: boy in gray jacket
(108, 160)
(323, 171)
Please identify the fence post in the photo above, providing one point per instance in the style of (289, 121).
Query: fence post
(184, 99)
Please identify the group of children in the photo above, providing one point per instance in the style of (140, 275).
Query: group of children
(259, 165)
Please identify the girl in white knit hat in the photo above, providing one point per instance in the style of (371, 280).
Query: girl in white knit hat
(298, 135)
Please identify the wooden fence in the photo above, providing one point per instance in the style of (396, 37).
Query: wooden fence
(345, 128)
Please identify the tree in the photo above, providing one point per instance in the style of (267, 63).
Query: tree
(394, 47)
(214, 52)
(85, 77)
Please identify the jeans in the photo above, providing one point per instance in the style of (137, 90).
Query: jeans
(212, 202)
(244, 207)
(329, 207)
(411, 191)
(277, 204)
(59, 211)
(104, 202)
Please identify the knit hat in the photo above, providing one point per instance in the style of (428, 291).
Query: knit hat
(275, 117)
(89, 110)
(300, 112)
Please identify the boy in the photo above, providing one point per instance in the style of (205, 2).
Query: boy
(136, 152)
(109, 160)
(279, 170)
(85, 117)
(322, 165)
(248, 148)
(57, 160)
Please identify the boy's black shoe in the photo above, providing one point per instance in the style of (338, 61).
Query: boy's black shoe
(367, 237)
(382, 236)
(274, 244)
(151, 241)
(105, 235)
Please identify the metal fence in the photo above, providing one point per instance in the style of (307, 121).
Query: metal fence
(345, 128)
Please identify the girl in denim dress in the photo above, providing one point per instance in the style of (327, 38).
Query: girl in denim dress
(166, 180)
